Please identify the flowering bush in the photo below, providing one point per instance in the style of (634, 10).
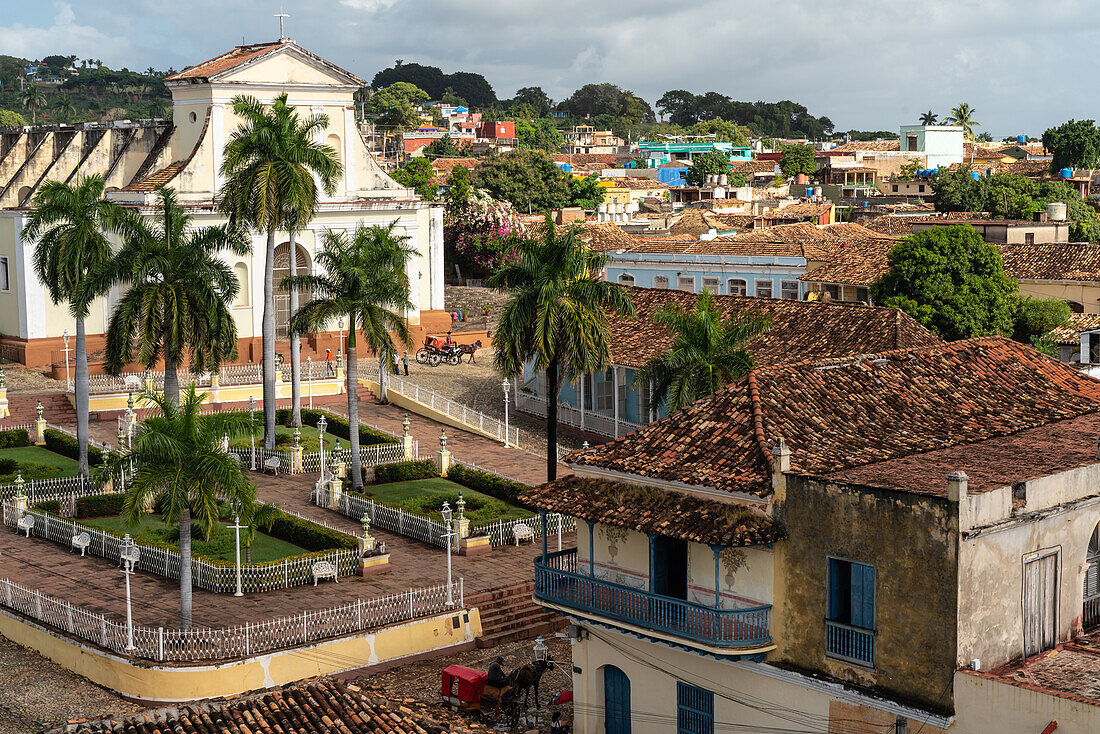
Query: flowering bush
(478, 229)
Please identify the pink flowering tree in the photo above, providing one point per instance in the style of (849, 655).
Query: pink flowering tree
(477, 228)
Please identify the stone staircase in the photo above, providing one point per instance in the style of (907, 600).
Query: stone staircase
(56, 408)
(508, 614)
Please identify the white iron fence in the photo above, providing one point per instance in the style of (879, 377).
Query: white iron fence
(586, 420)
(230, 642)
(212, 576)
(387, 517)
(385, 453)
(503, 532)
(466, 415)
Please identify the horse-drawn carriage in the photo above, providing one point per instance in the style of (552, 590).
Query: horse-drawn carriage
(438, 349)
(467, 690)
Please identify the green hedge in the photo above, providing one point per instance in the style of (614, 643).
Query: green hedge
(99, 505)
(490, 484)
(478, 510)
(51, 506)
(404, 471)
(13, 438)
(309, 535)
(66, 445)
(337, 426)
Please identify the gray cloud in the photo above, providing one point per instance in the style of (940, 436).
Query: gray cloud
(866, 65)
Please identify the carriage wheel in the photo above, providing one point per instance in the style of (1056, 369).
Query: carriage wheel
(422, 356)
(454, 358)
(433, 360)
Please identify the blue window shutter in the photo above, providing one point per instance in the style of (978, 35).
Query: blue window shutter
(834, 590)
(868, 597)
(856, 613)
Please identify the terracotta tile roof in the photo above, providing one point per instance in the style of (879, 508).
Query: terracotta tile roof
(853, 413)
(1072, 671)
(868, 145)
(856, 264)
(236, 57)
(639, 183)
(602, 236)
(317, 706)
(800, 329)
(1018, 167)
(1054, 261)
(158, 178)
(1070, 334)
(605, 160)
(756, 166)
(694, 222)
(655, 511)
(798, 211)
(902, 225)
(676, 164)
(446, 165)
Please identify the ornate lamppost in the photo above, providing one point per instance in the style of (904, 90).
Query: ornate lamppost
(237, 527)
(129, 554)
(322, 424)
(65, 338)
(251, 428)
(505, 385)
(446, 512)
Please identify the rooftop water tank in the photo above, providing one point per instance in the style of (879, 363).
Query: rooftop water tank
(1021, 139)
(1065, 173)
(933, 172)
(975, 175)
(809, 191)
(1056, 211)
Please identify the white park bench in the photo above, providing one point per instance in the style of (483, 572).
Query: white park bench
(522, 531)
(272, 465)
(323, 570)
(81, 541)
(26, 523)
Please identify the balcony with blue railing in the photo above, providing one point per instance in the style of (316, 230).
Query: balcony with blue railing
(557, 583)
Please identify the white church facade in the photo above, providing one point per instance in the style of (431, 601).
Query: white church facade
(186, 155)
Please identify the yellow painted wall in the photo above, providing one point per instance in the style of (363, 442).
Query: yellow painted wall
(9, 302)
(983, 705)
(153, 683)
(1087, 294)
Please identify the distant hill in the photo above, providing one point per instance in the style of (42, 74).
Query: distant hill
(96, 92)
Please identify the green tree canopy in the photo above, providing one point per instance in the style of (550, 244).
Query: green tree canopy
(1073, 144)
(593, 100)
(527, 179)
(723, 130)
(798, 159)
(535, 100)
(1036, 316)
(780, 119)
(586, 192)
(711, 163)
(469, 86)
(11, 119)
(418, 174)
(707, 351)
(951, 281)
(538, 134)
(395, 106)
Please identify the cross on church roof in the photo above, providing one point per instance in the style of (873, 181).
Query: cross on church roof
(280, 15)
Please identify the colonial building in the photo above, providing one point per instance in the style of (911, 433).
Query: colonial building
(880, 543)
(609, 403)
(185, 153)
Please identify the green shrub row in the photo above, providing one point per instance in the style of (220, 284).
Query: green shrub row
(337, 426)
(99, 505)
(66, 445)
(478, 510)
(309, 535)
(51, 506)
(404, 471)
(490, 484)
(13, 438)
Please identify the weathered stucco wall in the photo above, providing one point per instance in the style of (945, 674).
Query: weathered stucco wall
(989, 705)
(911, 541)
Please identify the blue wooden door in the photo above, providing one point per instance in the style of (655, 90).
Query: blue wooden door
(616, 701)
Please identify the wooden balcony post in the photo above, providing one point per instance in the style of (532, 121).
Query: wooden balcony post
(717, 593)
(591, 548)
(542, 519)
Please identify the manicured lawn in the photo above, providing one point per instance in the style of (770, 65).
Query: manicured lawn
(221, 544)
(284, 439)
(40, 455)
(404, 494)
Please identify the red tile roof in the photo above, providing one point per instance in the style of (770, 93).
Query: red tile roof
(868, 146)
(236, 57)
(317, 706)
(800, 330)
(1055, 261)
(855, 412)
(1072, 671)
(656, 511)
(446, 165)
(1070, 334)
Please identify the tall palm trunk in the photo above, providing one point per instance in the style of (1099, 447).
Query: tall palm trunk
(185, 568)
(81, 394)
(171, 379)
(295, 347)
(552, 388)
(353, 409)
(268, 330)
(383, 366)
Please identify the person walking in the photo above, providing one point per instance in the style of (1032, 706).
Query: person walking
(330, 369)
(405, 361)
(396, 371)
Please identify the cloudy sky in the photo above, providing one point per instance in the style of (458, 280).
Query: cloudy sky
(869, 65)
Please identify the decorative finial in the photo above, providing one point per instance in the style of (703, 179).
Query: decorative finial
(121, 435)
(297, 437)
(148, 374)
(130, 401)
(443, 438)
(19, 481)
(365, 522)
(584, 446)
(340, 358)
(39, 409)
(460, 505)
(405, 425)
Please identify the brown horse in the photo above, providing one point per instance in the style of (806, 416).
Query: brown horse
(469, 349)
(528, 676)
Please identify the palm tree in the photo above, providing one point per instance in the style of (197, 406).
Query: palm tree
(963, 116)
(64, 106)
(707, 352)
(178, 459)
(928, 118)
(557, 315)
(179, 294)
(255, 515)
(365, 280)
(71, 223)
(269, 166)
(33, 99)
